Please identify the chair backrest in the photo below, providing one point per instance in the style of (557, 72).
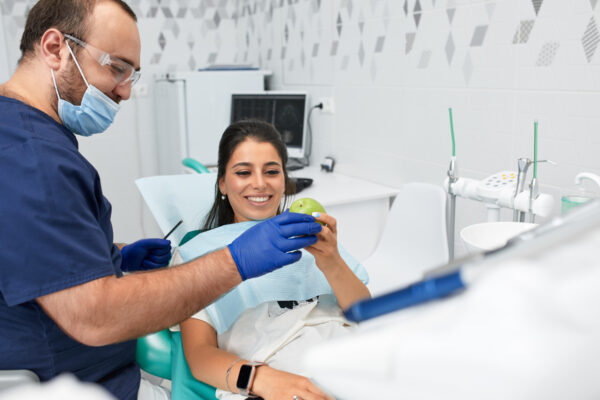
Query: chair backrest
(414, 238)
(171, 198)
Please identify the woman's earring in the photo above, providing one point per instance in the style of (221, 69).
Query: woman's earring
(222, 197)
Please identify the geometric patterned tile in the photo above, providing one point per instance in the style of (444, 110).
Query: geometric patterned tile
(523, 31)
(450, 48)
(424, 61)
(547, 54)
(479, 35)
(417, 12)
(334, 48)
(537, 4)
(162, 41)
(344, 63)
(379, 44)
(361, 54)
(410, 41)
(451, 12)
(467, 69)
(590, 39)
(490, 8)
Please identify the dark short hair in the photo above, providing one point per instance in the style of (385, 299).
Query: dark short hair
(68, 16)
(221, 212)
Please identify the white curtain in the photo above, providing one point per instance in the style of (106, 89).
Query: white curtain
(4, 71)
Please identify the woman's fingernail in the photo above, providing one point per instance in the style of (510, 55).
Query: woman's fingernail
(316, 214)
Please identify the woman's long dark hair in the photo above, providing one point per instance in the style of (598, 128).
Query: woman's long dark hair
(221, 212)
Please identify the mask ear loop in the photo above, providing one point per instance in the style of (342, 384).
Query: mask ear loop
(54, 80)
(77, 64)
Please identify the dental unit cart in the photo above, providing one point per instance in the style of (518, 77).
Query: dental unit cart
(505, 189)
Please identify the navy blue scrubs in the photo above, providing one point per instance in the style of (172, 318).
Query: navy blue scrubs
(56, 233)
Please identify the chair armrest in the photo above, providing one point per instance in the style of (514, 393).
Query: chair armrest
(153, 353)
(15, 377)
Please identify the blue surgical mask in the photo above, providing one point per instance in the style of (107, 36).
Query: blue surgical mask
(96, 112)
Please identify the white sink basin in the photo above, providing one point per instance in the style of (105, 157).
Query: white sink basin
(491, 235)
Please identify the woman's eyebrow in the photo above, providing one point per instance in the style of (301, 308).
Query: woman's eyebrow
(242, 164)
(248, 164)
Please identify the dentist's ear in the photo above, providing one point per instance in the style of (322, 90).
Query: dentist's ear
(52, 49)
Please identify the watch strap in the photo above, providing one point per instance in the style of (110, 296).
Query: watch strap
(247, 391)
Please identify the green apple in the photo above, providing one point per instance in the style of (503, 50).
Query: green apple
(307, 206)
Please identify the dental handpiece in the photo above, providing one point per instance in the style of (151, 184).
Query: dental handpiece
(523, 165)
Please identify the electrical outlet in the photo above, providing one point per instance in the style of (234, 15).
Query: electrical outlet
(328, 105)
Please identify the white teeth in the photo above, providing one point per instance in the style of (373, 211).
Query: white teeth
(258, 199)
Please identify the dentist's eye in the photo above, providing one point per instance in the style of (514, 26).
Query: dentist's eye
(242, 173)
(273, 172)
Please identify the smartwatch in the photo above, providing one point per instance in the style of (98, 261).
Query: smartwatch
(246, 378)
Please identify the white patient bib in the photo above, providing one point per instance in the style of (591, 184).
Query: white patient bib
(298, 281)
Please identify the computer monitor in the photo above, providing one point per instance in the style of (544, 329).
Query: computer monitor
(287, 111)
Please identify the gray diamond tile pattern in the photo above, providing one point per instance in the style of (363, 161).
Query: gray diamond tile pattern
(379, 44)
(537, 4)
(450, 48)
(547, 54)
(410, 41)
(479, 35)
(265, 29)
(590, 39)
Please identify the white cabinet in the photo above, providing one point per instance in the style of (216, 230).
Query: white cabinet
(359, 206)
(192, 111)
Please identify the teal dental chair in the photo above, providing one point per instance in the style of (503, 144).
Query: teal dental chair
(161, 353)
(195, 165)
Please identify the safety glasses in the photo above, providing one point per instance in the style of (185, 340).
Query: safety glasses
(123, 72)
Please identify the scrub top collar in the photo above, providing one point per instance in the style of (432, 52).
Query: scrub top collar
(63, 128)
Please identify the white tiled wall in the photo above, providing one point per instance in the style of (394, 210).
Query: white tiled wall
(393, 67)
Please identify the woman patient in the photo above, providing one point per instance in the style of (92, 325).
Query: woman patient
(275, 318)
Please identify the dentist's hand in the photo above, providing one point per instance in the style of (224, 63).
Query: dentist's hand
(272, 243)
(146, 254)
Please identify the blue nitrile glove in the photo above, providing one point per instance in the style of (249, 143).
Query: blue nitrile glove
(146, 254)
(272, 243)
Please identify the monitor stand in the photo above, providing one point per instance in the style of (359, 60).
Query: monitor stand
(294, 164)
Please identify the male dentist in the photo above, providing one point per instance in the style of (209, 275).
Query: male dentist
(65, 305)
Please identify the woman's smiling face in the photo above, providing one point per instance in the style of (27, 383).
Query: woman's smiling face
(254, 182)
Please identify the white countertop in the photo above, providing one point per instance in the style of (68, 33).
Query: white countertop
(332, 188)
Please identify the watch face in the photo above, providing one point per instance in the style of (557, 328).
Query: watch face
(244, 376)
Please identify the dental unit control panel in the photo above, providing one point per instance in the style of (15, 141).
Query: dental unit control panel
(500, 191)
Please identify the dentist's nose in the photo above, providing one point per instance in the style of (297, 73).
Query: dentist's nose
(123, 92)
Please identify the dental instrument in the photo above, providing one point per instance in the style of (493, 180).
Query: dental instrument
(173, 229)
(452, 178)
(456, 276)
(534, 189)
(522, 167)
